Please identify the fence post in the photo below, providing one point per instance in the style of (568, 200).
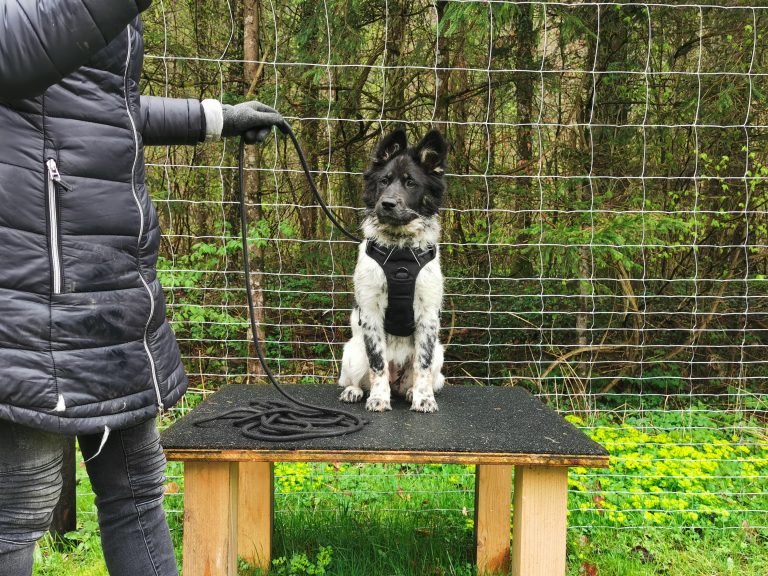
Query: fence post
(65, 513)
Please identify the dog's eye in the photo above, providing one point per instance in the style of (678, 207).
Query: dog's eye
(384, 180)
(410, 183)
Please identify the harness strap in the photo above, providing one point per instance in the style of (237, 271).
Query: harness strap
(401, 267)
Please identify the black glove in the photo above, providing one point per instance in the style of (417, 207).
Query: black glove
(250, 116)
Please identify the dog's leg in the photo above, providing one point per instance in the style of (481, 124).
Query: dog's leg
(378, 367)
(438, 380)
(354, 370)
(402, 382)
(425, 358)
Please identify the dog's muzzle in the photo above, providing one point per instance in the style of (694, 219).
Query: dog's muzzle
(392, 210)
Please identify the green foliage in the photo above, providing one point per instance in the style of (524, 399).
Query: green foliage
(300, 476)
(300, 565)
(677, 469)
(200, 309)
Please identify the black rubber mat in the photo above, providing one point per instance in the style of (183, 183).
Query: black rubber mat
(470, 419)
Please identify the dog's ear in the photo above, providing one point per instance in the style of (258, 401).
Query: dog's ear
(431, 152)
(393, 144)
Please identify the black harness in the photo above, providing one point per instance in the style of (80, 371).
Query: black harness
(401, 267)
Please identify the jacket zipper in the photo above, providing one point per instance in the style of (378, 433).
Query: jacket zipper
(53, 223)
(153, 368)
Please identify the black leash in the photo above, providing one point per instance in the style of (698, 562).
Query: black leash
(287, 129)
(274, 420)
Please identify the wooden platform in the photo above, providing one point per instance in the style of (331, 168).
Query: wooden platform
(229, 490)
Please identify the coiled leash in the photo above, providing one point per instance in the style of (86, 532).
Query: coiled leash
(275, 420)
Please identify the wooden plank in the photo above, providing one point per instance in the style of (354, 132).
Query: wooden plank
(256, 513)
(399, 457)
(493, 496)
(541, 506)
(210, 518)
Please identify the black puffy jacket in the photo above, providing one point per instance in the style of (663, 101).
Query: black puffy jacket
(84, 341)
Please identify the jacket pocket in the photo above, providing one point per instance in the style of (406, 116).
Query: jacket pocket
(55, 186)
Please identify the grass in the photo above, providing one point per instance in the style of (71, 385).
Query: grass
(419, 546)
(682, 498)
(660, 552)
(366, 543)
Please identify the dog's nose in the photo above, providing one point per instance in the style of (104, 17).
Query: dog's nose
(388, 204)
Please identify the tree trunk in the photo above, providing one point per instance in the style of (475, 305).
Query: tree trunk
(442, 89)
(524, 99)
(251, 75)
(396, 78)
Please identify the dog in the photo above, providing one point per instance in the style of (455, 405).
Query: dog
(398, 283)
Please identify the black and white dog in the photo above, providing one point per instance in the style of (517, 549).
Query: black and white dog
(397, 279)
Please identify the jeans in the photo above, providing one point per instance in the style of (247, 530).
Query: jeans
(127, 477)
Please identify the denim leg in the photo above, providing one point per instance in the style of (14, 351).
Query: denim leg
(17, 562)
(128, 479)
(30, 485)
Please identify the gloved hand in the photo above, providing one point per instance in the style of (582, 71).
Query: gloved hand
(252, 115)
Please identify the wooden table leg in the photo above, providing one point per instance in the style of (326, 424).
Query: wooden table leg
(541, 507)
(256, 513)
(210, 518)
(493, 495)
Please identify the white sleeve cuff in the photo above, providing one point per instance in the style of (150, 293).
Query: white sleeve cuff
(214, 119)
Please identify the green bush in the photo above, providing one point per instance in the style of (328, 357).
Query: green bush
(687, 470)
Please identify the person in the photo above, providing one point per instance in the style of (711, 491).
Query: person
(85, 347)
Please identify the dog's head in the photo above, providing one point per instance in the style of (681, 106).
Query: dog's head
(405, 184)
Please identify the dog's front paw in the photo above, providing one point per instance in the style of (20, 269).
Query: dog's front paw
(351, 394)
(424, 404)
(376, 404)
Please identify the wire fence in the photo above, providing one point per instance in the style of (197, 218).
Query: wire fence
(604, 234)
